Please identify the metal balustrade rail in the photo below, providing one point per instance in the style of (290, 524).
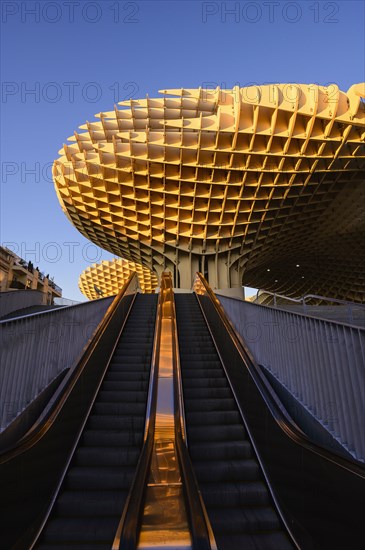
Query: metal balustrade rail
(12, 300)
(34, 349)
(321, 362)
(352, 312)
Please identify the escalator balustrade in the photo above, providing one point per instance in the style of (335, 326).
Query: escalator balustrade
(91, 500)
(238, 502)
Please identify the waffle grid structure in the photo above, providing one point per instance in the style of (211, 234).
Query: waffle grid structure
(107, 278)
(260, 185)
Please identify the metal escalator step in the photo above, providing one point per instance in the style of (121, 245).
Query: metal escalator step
(115, 385)
(94, 478)
(112, 422)
(212, 418)
(71, 546)
(197, 355)
(120, 408)
(205, 383)
(224, 432)
(243, 520)
(229, 470)
(209, 393)
(226, 404)
(128, 376)
(109, 456)
(134, 338)
(91, 503)
(109, 396)
(130, 358)
(221, 450)
(111, 438)
(221, 495)
(83, 530)
(259, 541)
(201, 372)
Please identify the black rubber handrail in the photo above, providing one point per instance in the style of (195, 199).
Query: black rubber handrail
(30, 471)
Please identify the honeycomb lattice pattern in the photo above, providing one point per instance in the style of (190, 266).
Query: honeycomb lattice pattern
(108, 277)
(247, 182)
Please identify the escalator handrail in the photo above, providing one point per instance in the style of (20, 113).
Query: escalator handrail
(126, 536)
(46, 420)
(268, 395)
(201, 530)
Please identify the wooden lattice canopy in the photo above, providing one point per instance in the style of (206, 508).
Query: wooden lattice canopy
(261, 185)
(108, 277)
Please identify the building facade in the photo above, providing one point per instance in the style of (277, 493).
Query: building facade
(17, 274)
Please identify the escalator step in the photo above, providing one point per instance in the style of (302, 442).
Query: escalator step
(130, 376)
(217, 433)
(244, 520)
(109, 396)
(126, 386)
(218, 495)
(210, 404)
(71, 546)
(221, 450)
(111, 422)
(81, 530)
(113, 456)
(230, 470)
(213, 418)
(102, 438)
(103, 477)
(91, 503)
(210, 393)
(204, 371)
(206, 383)
(259, 541)
(119, 408)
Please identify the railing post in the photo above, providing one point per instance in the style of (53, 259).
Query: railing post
(350, 314)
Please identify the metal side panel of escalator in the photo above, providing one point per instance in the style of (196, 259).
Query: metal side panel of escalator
(239, 504)
(94, 490)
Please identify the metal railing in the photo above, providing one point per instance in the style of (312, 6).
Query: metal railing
(321, 363)
(43, 455)
(349, 306)
(12, 300)
(36, 348)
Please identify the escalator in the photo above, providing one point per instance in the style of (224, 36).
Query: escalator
(264, 486)
(239, 505)
(90, 502)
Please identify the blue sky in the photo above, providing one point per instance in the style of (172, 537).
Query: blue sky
(64, 61)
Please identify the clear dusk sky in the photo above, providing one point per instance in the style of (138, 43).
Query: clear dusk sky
(64, 61)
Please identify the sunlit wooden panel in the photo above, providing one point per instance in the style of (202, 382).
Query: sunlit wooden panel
(108, 277)
(243, 184)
